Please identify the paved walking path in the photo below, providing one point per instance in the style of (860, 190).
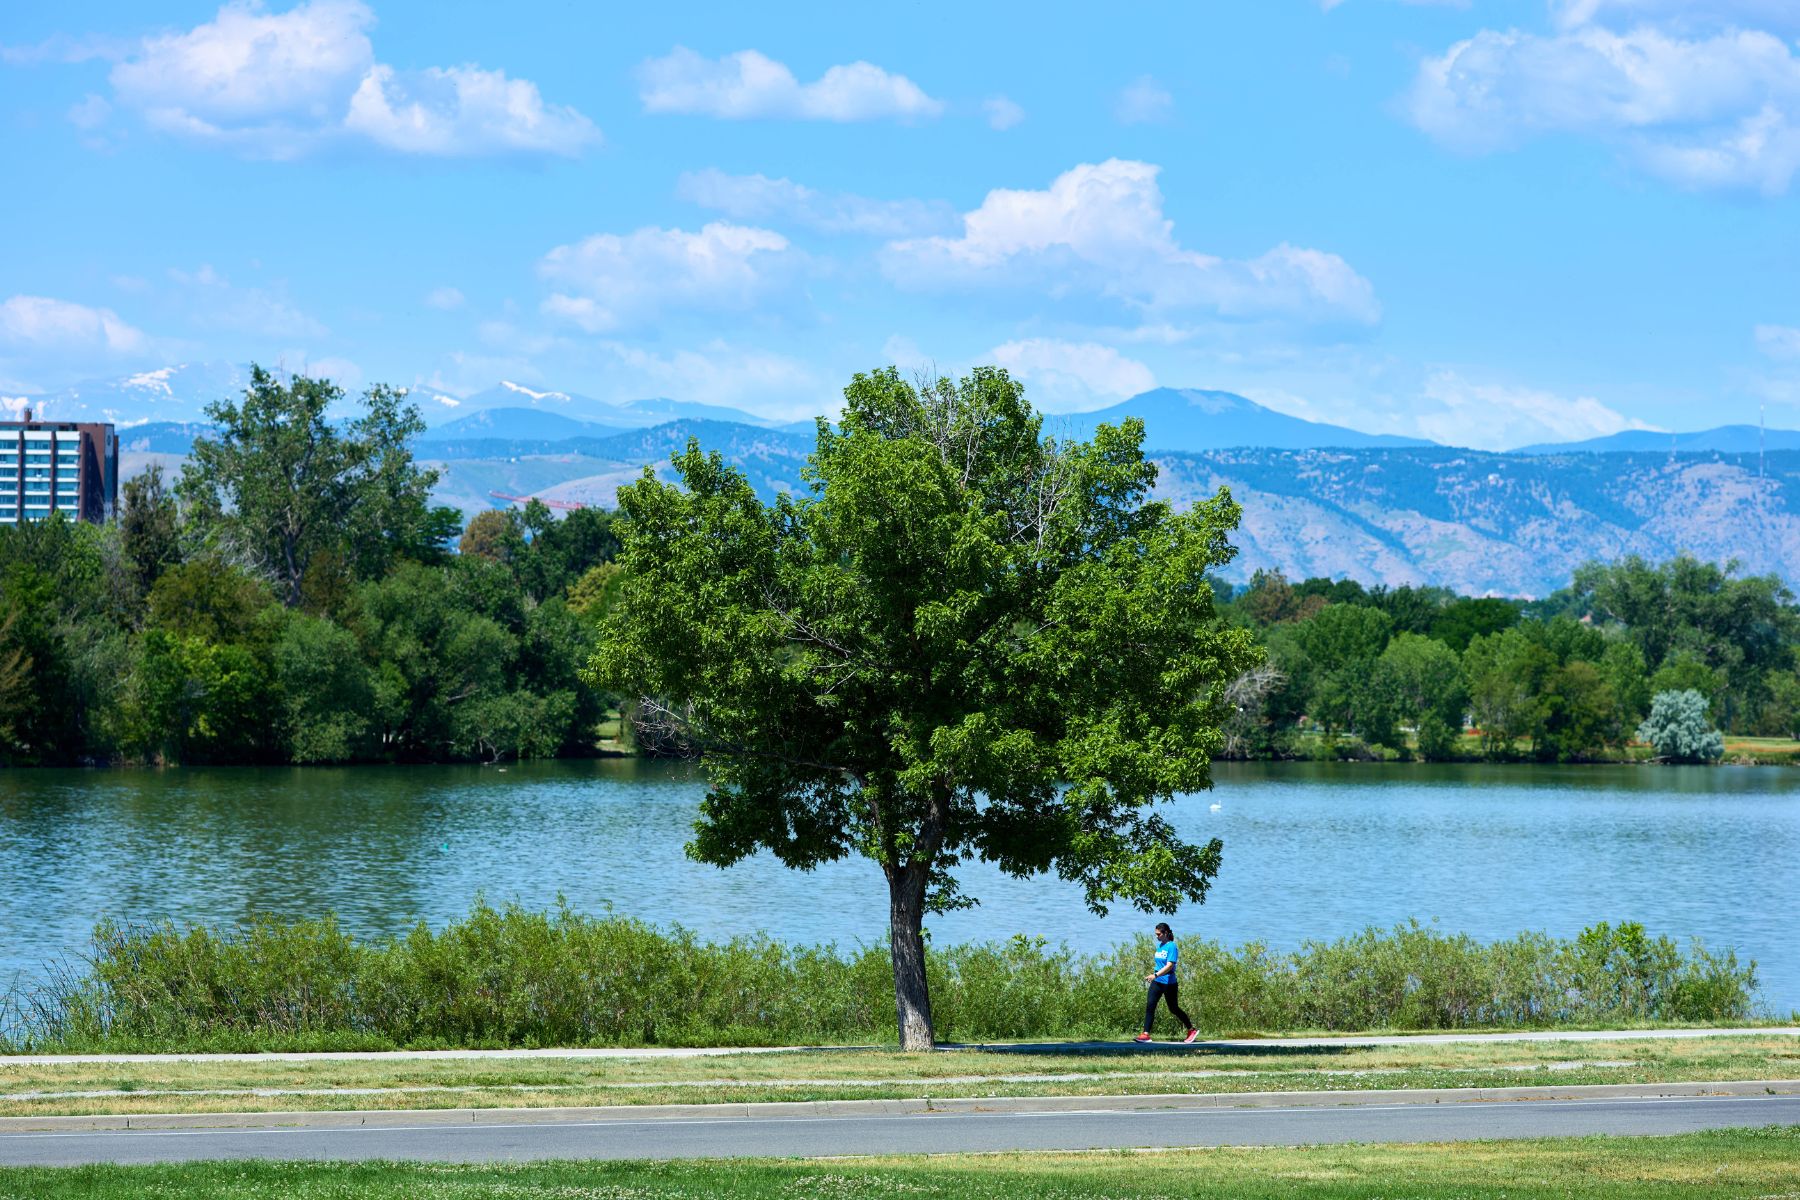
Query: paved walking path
(1303, 1043)
(906, 1127)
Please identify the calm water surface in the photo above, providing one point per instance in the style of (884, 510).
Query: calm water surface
(1310, 851)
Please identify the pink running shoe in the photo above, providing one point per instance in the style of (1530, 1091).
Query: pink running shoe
(1142, 1037)
(1192, 1034)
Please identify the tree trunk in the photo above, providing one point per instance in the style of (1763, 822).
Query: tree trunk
(906, 937)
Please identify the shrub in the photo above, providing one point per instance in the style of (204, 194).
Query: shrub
(1679, 729)
(512, 977)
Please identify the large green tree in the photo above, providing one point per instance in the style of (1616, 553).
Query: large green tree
(285, 485)
(969, 642)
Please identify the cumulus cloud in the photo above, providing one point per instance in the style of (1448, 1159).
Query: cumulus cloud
(1071, 375)
(1716, 108)
(1142, 101)
(1778, 341)
(44, 323)
(750, 84)
(759, 198)
(283, 84)
(1488, 416)
(1002, 113)
(609, 279)
(462, 111)
(1100, 227)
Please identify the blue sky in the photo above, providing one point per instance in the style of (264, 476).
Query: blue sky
(1488, 223)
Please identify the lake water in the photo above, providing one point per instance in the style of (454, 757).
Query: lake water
(1310, 851)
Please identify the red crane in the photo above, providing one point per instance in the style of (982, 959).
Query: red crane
(565, 505)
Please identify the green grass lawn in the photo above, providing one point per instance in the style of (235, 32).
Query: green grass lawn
(1727, 1163)
(352, 1084)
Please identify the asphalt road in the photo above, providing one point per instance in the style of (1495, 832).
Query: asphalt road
(729, 1137)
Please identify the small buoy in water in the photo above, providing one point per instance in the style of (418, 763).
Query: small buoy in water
(446, 847)
(502, 770)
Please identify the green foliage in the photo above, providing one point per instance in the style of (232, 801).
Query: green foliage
(326, 691)
(1566, 678)
(1419, 678)
(149, 526)
(297, 607)
(510, 977)
(969, 642)
(283, 483)
(1680, 730)
(1342, 642)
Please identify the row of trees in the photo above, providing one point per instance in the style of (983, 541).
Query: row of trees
(294, 598)
(1570, 677)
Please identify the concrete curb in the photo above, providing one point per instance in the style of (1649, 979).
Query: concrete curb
(425, 1118)
(606, 1052)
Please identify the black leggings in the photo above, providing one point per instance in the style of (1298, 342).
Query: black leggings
(1165, 991)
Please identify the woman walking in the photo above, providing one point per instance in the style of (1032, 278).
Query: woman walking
(1163, 986)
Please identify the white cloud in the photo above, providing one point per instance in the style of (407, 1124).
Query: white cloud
(1778, 341)
(281, 85)
(1100, 227)
(759, 198)
(1069, 376)
(463, 111)
(1142, 101)
(749, 84)
(40, 322)
(610, 279)
(1713, 110)
(445, 298)
(1487, 416)
(1002, 113)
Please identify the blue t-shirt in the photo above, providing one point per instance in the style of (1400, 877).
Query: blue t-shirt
(1166, 957)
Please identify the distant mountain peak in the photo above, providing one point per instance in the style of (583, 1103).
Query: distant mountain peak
(1198, 419)
(520, 388)
(155, 381)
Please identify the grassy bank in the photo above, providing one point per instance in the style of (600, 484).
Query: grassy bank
(1762, 1162)
(508, 977)
(235, 1085)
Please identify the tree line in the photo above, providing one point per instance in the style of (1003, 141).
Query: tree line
(294, 597)
(1350, 670)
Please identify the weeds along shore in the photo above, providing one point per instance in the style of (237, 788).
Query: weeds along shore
(505, 977)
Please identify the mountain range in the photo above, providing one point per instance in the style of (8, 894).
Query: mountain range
(1318, 499)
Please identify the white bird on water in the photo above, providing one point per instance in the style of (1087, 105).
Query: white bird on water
(1215, 807)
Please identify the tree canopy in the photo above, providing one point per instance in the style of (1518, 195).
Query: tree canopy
(284, 486)
(969, 641)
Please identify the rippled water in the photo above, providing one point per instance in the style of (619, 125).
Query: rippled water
(1310, 851)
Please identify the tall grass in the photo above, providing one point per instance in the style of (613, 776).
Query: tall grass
(512, 977)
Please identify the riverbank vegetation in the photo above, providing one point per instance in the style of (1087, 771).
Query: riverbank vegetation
(368, 1083)
(508, 977)
(294, 598)
(1719, 1163)
(1355, 673)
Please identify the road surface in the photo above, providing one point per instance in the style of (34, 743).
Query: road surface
(925, 1133)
